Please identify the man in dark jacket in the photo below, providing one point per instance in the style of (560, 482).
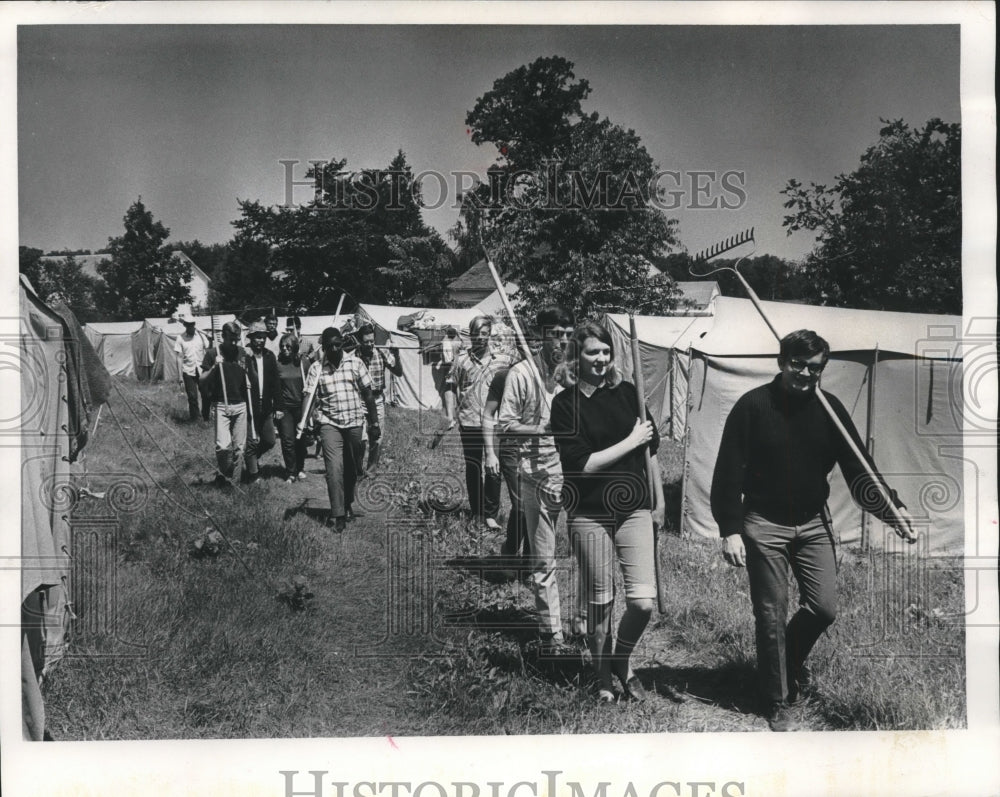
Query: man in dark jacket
(224, 385)
(769, 495)
(262, 373)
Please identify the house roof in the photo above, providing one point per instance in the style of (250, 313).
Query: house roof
(88, 263)
(476, 278)
(700, 293)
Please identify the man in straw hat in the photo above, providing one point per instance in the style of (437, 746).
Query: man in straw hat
(190, 348)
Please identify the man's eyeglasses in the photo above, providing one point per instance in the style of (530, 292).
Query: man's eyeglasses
(801, 365)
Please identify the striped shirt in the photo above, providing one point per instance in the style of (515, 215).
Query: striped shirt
(472, 377)
(376, 369)
(338, 391)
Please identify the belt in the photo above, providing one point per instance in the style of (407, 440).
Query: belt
(230, 403)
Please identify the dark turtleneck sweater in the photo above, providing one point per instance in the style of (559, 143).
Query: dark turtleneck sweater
(776, 454)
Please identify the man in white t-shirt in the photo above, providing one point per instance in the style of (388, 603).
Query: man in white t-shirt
(190, 348)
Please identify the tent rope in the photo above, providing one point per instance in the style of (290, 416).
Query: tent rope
(206, 516)
(173, 431)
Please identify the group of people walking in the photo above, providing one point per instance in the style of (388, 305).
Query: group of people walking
(560, 427)
(281, 388)
(562, 430)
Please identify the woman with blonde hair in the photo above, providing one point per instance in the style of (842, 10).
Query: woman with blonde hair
(601, 446)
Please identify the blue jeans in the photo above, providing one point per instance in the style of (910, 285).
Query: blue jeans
(771, 551)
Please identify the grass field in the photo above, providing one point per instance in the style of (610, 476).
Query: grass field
(407, 630)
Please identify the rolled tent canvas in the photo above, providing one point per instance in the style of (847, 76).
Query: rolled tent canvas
(916, 422)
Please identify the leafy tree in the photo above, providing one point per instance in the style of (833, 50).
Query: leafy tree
(141, 278)
(418, 270)
(358, 236)
(567, 210)
(890, 232)
(243, 278)
(60, 279)
(772, 278)
(206, 256)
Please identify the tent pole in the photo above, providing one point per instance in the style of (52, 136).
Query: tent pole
(901, 524)
(866, 522)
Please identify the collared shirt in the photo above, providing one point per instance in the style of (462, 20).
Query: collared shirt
(376, 368)
(522, 403)
(472, 377)
(338, 391)
(192, 351)
(259, 362)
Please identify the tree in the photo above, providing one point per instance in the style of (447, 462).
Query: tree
(206, 256)
(773, 278)
(243, 278)
(418, 270)
(60, 279)
(141, 278)
(890, 232)
(358, 236)
(567, 211)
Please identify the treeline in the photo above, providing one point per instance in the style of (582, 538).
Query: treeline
(887, 236)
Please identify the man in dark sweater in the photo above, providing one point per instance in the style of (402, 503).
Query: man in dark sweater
(769, 495)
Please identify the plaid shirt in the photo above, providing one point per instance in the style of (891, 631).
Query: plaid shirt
(338, 391)
(376, 369)
(472, 377)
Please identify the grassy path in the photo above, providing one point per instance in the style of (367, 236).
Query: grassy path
(396, 639)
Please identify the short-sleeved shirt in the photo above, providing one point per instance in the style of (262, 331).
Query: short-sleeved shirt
(192, 351)
(522, 402)
(338, 391)
(376, 369)
(472, 377)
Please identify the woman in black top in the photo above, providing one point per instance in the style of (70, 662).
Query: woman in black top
(288, 409)
(601, 445)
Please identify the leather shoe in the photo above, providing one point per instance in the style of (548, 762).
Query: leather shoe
(782, 717)
(338, 524)
(633, 689)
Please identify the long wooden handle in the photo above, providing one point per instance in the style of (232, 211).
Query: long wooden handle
(640, 389)
(521, 341)
(907, 534)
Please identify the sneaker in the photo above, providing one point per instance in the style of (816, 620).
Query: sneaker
(782, 717)
(301, 476)
(221, 481)
(290, 480)
(491, 524)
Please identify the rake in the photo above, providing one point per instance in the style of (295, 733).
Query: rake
(747, 237)
(640, 389)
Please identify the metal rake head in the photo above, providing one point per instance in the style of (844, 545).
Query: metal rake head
(721, 247)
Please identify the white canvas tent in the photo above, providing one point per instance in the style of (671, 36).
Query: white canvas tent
(908, 403)
(420, 385)
(663, 350)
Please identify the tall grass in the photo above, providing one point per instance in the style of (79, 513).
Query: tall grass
(410, 631)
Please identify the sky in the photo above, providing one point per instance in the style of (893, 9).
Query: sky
(193, 118)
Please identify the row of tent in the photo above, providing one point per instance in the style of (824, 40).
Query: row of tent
(899, 374)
